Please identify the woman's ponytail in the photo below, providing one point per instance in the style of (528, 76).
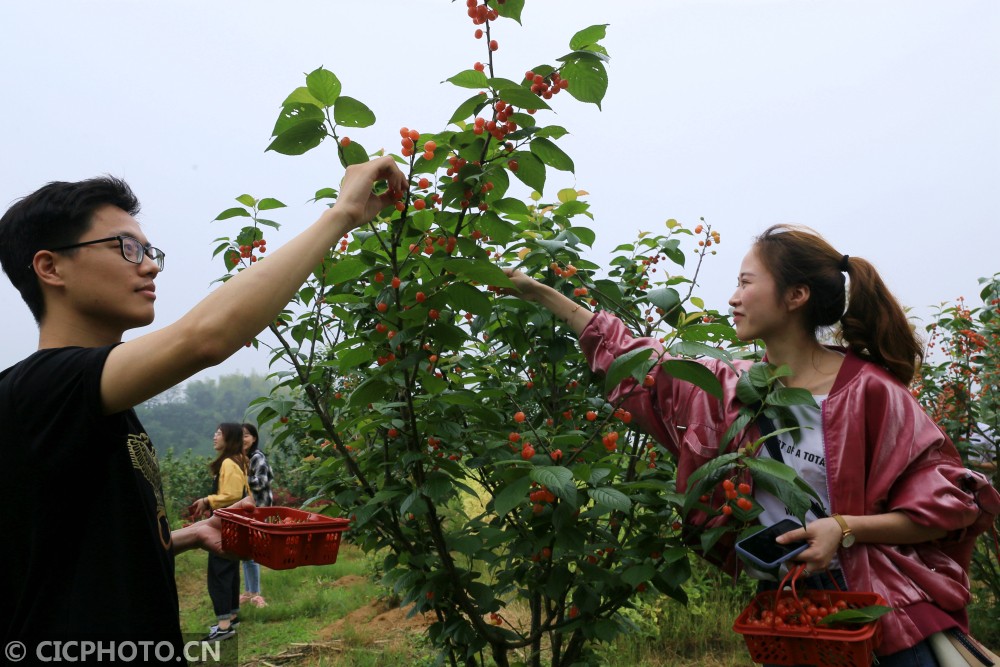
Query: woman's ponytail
(875, 325)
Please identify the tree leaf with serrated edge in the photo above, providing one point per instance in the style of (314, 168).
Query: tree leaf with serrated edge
(510, 9)
(481, 271)
(627, 365)
(557, 479)
(689, 348)
(268, 223)
(695, 373)
(531, 170)
(352, 153)
(301, 95)
(323, 85)
(860, 616)
(269, 203)
(470, 78)
(586, 236)
(367, 392)
(469, 107)
(293, 115)
(760, 374)
(667, 299)
(298, 139)
(552, 132)
(234, 212)
(350, 112)
(588, 80)
(522, 97)
(511, 496)
(247, 200)
(588, 36)
(742, 420)
(746, 391)
(610, 497)
(551, 154)
(463, 296)
(786, 396)
(351, 359)
(511, 206)
(780, 480)
(348, 268)
(638, 574)
(566, 195)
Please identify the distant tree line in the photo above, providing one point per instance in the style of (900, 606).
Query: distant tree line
(185, 417)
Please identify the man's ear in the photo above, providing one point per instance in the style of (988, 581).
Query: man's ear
(796, 297)
(46, 266)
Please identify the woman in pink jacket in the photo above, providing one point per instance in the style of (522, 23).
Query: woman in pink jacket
(901, 512)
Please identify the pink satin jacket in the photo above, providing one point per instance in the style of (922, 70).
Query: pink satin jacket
(883, 454)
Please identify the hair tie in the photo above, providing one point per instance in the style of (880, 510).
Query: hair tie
(843, 263)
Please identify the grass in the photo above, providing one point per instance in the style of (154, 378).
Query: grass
(333, 615)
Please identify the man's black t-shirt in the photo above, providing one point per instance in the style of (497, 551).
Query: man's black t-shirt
(86, 544)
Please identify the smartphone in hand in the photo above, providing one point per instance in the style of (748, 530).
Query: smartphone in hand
(763, 552)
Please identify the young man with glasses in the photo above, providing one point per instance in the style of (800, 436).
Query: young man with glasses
(88, 552)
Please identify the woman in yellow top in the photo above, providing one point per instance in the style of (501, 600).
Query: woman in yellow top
(229, 484)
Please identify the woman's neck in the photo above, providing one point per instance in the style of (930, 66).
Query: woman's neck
(814, 367)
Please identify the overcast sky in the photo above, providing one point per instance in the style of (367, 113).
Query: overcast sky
(875, 122)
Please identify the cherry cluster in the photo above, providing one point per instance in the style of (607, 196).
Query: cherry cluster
(739, 493)
(787, 612)
(409, 139)
(247, 251)
(501, 126)
(546, 87)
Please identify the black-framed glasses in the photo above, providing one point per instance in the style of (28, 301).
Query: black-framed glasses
(132, 249)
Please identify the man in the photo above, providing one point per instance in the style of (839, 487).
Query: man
(88, 553)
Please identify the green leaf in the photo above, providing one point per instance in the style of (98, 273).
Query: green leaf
(588, 36)
(470, 78)
(638, 574)
(511, 206)
(369, 391)
(481, 271)
(235, 212)
(667, 299)
(351, 359)
(552, 132)
(695, 373)
(588, 80)
(301, 95)
(512, 495)
(551, 154)
(746, 391)
(298, 139)
(857, 616)
(269, 203)
(348, 268)
(469, 107)
(323, 85)
(531, 170)
(247, 200)
(790, 396)
(559, 480)
(463, 296)
(350, 112)
(742, 420)
(510, 9)
(611, 497)
(293, 115)
(520, 96)
(626, 365)
(353, 153)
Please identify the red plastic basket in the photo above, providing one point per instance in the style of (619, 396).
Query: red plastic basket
(822, 646)
(281, 538)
